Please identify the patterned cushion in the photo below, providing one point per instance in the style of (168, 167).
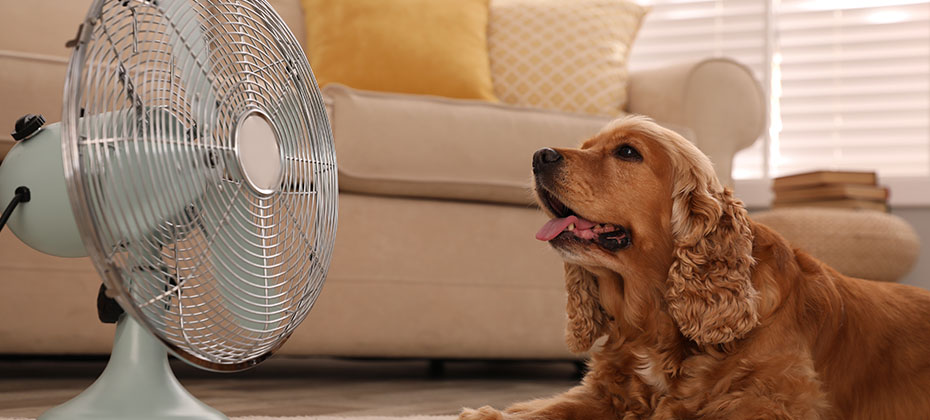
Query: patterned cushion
(562, 55)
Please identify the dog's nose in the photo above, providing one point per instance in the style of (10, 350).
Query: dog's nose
(546, 156)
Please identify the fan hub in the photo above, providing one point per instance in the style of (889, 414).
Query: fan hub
(258, 152)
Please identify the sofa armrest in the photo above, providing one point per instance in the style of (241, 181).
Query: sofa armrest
(717, 98)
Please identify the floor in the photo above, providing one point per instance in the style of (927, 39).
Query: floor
(291, 387)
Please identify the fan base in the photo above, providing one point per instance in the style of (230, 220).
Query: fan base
(137, 384)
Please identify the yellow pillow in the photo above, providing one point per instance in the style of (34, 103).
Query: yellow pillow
(432, 47)
(563, 55)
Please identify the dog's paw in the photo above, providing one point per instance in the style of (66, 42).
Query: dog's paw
(483, 413)
(521, 408)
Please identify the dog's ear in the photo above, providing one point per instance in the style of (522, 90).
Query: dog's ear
(709, 291)
(586, 317)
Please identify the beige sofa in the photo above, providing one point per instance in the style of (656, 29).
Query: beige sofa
(435, 255)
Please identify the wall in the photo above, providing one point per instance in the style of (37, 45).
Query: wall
(919, 218)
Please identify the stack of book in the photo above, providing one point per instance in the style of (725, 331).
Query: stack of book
(841, 189)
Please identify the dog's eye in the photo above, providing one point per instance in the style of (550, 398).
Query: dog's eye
(627, 152)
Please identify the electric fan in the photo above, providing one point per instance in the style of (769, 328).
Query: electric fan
(195, 165)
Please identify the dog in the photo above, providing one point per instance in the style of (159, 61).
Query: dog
(707, 314)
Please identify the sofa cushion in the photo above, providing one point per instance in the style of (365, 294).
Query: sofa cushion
(568, 56)
(412, 46)
(424, 146)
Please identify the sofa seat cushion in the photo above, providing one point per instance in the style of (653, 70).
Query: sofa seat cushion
(424, 146)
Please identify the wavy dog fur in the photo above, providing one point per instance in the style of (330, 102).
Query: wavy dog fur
(708, 315)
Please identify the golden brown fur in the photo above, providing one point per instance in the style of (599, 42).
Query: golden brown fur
(709, 315)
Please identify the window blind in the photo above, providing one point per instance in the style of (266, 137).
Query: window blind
(849, 79)
(681, 30)
(855, 86)
(677, 31)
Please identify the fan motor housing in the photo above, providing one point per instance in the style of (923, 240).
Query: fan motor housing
(258, 153)
(46, 222)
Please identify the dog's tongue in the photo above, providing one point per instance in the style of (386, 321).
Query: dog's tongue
(554, 227)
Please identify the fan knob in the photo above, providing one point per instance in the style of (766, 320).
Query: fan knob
(27, 125)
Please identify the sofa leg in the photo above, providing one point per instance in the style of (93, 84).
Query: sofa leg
(437, 368)
(581, 368)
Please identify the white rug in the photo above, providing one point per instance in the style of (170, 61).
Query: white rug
(349, 418)
(315, 418)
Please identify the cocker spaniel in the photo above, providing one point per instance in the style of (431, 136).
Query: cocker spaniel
(708, 315)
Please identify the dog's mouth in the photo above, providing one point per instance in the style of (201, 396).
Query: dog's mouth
(567, 225)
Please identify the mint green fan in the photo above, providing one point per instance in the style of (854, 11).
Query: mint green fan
(195, 166)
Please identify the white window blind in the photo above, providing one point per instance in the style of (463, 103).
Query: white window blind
(677, 31)
(849, 79)
(855, 86)
(680, 30)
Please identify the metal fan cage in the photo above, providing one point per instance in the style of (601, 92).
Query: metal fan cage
(219, 270)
